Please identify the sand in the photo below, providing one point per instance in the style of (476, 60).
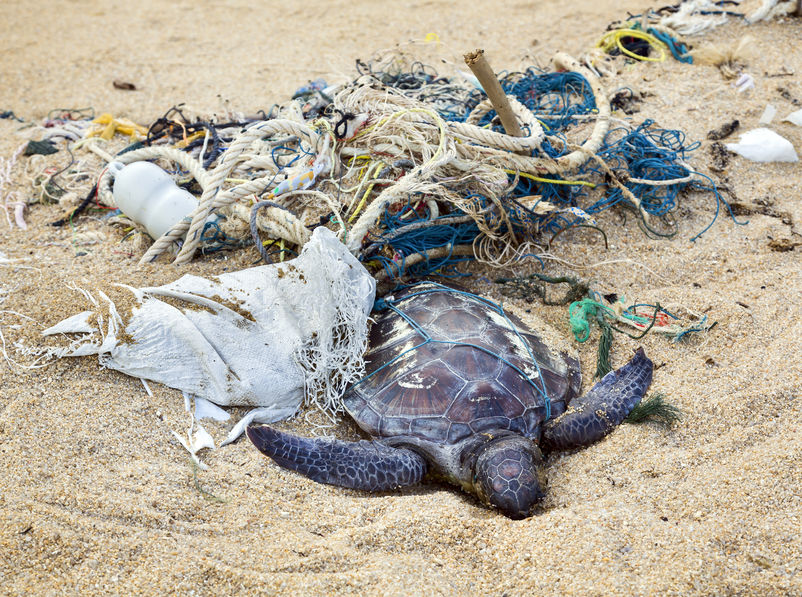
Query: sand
(97, 497)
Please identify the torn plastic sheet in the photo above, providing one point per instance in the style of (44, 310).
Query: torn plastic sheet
(196, 437)
(266, 336)
(208, 410)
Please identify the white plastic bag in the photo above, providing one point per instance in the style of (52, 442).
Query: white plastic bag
(264, 336)
(764, 145)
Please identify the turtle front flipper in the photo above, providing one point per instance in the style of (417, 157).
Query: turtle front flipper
(370, 466)
(595, 414)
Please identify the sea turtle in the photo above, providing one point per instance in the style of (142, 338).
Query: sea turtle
(458, 389)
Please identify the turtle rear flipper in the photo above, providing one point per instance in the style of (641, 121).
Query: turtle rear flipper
(370, 466)
(595, 414)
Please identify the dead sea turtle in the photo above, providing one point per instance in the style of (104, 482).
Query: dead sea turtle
(457, 389)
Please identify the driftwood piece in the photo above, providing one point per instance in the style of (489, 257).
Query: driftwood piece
(478, 64)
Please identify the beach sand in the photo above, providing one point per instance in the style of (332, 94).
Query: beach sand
(97, 497)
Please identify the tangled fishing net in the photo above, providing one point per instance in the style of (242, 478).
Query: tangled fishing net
(409, 169)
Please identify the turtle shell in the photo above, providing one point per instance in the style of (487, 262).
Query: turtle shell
(474, 374)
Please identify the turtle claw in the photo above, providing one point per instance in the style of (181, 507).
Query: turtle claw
(594, 415)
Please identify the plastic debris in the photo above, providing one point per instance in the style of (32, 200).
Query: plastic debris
(208, 410)
(768, 115)
(148, 195)
(77, 324)
(19, 213)
(794, 118)
(310, 89)
(40, 148)
(266, 336)
(8, 114)
(196, 438)
(744, 82)
(109, 126)
(764, 145)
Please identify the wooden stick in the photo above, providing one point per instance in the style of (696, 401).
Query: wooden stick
(478, 64)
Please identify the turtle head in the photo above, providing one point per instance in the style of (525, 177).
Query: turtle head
(508, 475)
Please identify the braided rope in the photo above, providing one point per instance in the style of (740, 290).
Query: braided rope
(545, 165)
(406, 128)
(483, 136)
(284, 224)
(491, 148)
(223, 170)
(212, 182)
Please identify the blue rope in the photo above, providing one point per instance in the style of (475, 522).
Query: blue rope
(383, 304)
(653, 154)
(678, 49)
(700, 328)
(214, 239)
(419, 241)
(557, 99)
(719, 201)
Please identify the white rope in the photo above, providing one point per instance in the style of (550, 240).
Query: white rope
(771, 9)
(438, 158)
(442, 145)
(213, 197)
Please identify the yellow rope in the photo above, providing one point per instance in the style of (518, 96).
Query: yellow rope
(379, 166)
(612, 39)
(584, 183)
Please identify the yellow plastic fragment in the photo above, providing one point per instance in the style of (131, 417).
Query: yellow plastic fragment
(184, 142)
(116, 125)
(108, 131)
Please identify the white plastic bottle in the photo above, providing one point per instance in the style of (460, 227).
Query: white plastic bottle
(146, 194)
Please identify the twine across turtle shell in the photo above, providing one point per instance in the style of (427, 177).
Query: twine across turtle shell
(443, 365)
(459, 391)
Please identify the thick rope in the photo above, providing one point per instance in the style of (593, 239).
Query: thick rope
(223, 170)
(398, 126)
(490, 138)
(284, 224)
(486, 150)
(212, 182)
